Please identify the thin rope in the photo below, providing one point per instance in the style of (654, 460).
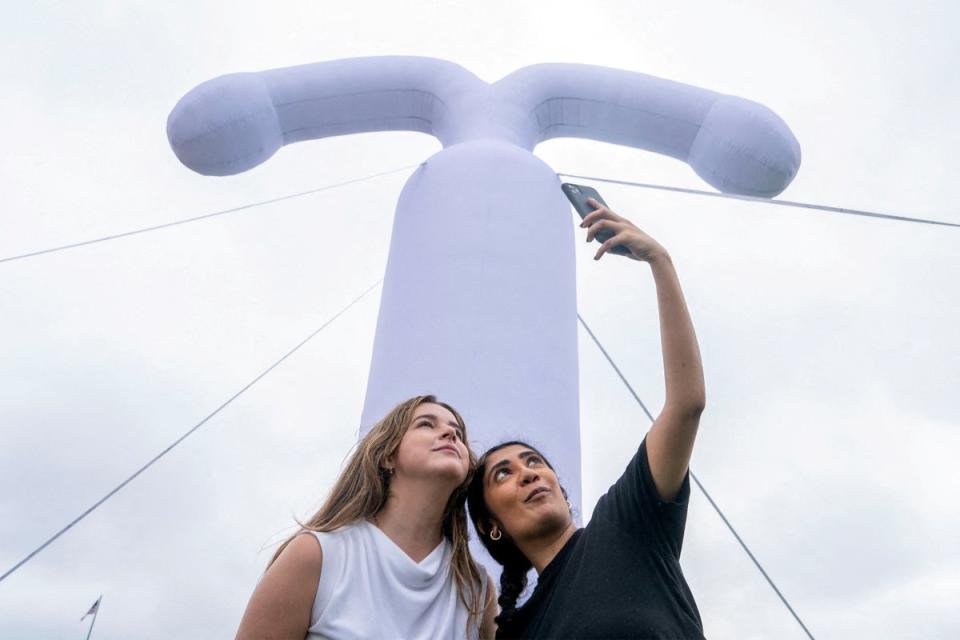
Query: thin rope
(204, 216)
(698, 483)
(782, 203)
(185, 435)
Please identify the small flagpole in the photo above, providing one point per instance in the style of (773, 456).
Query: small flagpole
(94, 621)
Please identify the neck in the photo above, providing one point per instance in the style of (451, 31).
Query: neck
(413, 516)
(541, 550)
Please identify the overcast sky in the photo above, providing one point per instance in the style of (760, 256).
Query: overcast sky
(830, 343)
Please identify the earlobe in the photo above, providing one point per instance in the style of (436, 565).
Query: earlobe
(493, 530)
(488, 527)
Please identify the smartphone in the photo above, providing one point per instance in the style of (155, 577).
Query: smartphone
(577, 195)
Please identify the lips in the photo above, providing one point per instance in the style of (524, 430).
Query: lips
(536, 492)
(448, 448)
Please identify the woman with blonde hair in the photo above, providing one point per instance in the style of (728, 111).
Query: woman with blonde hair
(386, 555)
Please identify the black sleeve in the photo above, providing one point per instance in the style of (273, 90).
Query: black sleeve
(633, 504)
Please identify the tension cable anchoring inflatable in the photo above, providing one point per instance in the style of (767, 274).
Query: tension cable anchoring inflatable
(183, 437)
(781, 203)
(205, 216)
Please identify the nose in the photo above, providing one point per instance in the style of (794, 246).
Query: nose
(449, 433)
(528, 476)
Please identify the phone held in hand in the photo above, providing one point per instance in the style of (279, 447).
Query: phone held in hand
(577, 195)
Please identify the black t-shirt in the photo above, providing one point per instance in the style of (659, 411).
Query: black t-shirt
(618, 577)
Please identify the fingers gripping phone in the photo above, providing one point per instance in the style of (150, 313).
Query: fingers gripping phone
(578, 194)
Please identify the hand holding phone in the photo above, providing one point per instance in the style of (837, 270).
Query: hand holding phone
(578, 194)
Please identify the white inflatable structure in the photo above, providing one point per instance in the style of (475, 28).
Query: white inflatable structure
(479, 300)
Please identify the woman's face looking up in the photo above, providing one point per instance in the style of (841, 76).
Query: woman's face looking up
(523, 494)
(433, 446)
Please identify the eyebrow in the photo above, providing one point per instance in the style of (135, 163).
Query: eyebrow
(523, 455)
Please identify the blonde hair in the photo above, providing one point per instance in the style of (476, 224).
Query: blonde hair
(363, 487)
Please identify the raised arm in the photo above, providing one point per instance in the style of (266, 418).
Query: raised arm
(670, 440)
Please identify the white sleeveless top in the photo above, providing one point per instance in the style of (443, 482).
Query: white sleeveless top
(369, 588)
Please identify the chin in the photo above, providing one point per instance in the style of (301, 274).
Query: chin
(453, 469)
(550, 522)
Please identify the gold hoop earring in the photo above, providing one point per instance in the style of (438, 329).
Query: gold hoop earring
(495, 533)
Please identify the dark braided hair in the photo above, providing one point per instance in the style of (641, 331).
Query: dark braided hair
(513, 579)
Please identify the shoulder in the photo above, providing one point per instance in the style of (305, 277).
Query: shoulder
(314, 550)
(305, 548)
(637, 478)
(301, 561)
(633, 500)
(283, 599)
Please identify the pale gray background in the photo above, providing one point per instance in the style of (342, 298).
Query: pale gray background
(830, 343)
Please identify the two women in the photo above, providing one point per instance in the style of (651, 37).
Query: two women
(620, 576)
(386, 556)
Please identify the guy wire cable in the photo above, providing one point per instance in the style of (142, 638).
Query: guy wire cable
(782, 203)
(189, 432)
(204, 216)
(698, 483)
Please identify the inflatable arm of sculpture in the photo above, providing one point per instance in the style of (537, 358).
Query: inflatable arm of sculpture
(235, 122)
(736, 145)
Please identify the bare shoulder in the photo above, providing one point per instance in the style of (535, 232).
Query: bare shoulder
(304, 550)
(283, 599)
(300, 563)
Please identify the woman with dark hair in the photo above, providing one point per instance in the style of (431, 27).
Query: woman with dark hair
(620, 576)
(386, 556)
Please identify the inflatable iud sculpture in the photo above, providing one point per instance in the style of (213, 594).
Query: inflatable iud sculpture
(479, 297)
